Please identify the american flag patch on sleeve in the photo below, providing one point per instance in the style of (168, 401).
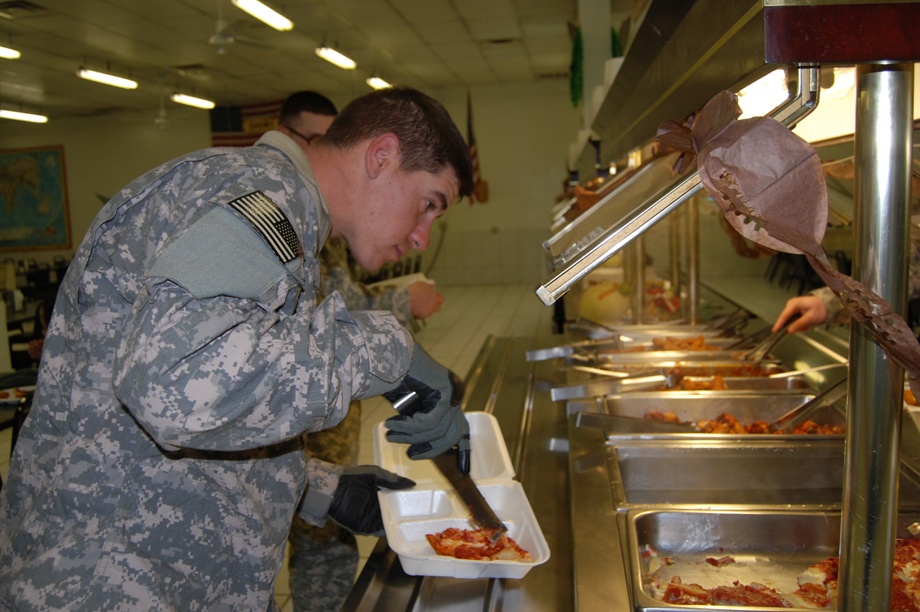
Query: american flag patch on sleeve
(269, 221)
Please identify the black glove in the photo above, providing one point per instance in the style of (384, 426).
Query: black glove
(355, 505)
(430, 418)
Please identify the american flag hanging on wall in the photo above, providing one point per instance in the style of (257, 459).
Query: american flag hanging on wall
(480, 187)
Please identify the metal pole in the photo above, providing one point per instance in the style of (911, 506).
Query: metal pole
(674, 250)
(693, 261)
(639, 276)
(884, 108)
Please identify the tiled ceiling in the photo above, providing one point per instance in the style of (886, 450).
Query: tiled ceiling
(164, 45)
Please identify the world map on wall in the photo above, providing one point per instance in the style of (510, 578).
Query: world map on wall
(33, 200)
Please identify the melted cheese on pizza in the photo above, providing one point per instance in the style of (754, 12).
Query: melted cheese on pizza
(477, 545)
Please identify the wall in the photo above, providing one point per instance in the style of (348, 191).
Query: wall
(103, 154)
(522, 131)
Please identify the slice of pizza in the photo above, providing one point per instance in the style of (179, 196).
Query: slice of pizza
(476, 545)
(905, 586)
(753, 594)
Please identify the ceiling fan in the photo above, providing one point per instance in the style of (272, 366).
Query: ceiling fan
(225, 35)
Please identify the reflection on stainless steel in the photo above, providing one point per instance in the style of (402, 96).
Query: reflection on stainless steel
(765, 546)
(693, 260)
(737, 470)
(804, 371)
(637, 221)
(609, 386)
(769, 547)
(693, 406)
(882, 146)
(614, 239)
(798, 415)
(664, 381)
(612, 206)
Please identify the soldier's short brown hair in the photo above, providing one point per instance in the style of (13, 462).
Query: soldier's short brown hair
(429, 140)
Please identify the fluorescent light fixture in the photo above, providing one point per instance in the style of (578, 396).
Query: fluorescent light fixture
(192, 101)
(106, 79)
(334, 57)
(8, 53)
(377, 83)
(264, 14)
(17, 116)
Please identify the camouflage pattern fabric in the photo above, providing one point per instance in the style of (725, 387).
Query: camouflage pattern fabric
(337, 275)
(323, 560)
(162, 461)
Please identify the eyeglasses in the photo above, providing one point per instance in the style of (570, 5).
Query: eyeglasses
(309, 139)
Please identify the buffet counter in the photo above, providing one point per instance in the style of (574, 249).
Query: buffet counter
(589, 487)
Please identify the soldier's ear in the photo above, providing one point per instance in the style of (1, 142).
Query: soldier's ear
(382, 152)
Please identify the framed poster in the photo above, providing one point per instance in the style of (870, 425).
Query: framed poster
(33, 199)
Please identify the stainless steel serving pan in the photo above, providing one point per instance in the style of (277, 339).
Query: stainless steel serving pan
(746, 406)
(660, 358)
(621, 343)
(768, 546)
(725, 471)
(599, 387)
(673, 328)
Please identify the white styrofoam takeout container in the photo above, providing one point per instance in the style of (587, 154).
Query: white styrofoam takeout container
(433, 506)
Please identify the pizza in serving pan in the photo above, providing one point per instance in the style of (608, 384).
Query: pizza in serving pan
(817, 585)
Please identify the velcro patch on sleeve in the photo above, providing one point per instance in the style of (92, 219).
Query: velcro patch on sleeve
(269, 221)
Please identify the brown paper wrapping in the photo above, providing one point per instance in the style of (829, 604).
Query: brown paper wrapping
(770, 187)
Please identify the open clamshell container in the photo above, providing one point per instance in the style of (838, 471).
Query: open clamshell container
(433, 506)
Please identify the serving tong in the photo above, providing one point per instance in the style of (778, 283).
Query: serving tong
(764, 341)
(643, 381)
(788, 421)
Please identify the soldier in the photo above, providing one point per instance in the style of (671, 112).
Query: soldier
(162, 461)
(322, 560)
(305, 116)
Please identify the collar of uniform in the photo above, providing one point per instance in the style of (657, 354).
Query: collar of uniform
(292, 150)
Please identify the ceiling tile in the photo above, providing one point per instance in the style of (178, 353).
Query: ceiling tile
(367, 12)
(511, 67)
(486, 9)
(439, 32)
(425, 11)
(393, 36)
(460, 51)
(494, 29)
(164, 44)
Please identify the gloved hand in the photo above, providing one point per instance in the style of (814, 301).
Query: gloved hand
(430, 418)
(355, 505)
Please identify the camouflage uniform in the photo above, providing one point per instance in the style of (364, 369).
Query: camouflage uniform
(323, 560)
(162, 462)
